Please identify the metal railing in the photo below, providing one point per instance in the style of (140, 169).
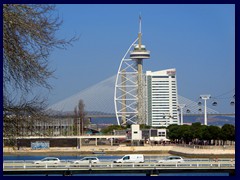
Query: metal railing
(66, 164)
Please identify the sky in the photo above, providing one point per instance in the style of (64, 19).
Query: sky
(197, 40)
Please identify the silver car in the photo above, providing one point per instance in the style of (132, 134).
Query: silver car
(48, 160)
(175, 159)
(86, 160)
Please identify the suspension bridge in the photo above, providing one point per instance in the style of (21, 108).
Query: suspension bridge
(99, 101)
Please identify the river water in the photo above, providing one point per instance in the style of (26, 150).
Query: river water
(107, 158)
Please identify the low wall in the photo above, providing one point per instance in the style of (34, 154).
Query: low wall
(157, 150)
(191, 152)
(61, 142)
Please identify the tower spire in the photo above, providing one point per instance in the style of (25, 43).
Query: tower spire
(140, 24)
(140, 32)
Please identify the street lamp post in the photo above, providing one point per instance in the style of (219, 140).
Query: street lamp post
(181, 106)
(205, 98)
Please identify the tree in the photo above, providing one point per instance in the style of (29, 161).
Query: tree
(29, 35)
(22, 119)
(228, 132)
(214, 132)
(205, 133)
(79, 118)
(82, 115)
(185, 133)
(28, 38)
(173, 132)
(196, 130)
(76, 122)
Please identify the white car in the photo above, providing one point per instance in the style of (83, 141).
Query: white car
(87, 160)
(131, 158)
(175, 159)
(48, 160)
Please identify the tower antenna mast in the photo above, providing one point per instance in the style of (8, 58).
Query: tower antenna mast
(140, 32)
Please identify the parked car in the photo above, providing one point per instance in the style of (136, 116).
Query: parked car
(176, 159)
(87, 160)
(48, 160)
(131, 158)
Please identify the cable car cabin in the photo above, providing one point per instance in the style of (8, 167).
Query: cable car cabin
(214, 103)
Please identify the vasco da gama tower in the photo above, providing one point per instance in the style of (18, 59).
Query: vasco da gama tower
(131, 97)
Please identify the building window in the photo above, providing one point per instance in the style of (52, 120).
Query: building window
(159, 76)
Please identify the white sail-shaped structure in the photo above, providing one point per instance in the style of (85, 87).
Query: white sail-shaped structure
(125, 94)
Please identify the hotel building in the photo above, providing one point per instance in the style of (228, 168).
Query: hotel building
(162, 100)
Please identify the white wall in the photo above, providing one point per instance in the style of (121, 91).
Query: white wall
(136, 132)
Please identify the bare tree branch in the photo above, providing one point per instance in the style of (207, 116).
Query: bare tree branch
(29, 36)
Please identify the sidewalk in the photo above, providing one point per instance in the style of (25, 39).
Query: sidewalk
(185, 151)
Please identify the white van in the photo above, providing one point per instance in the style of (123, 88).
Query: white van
(131, 158)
